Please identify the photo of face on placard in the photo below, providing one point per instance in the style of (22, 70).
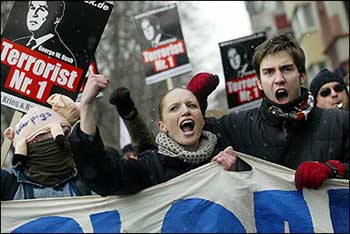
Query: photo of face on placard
(240, 77)
(163, 49)
(42, 19)
(46, 49)
(237, 58)
(153, 34)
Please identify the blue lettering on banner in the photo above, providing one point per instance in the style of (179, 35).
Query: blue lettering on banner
(106, 222)
(200, 215)
(272, 210)
(51, 224)
(274, 207)
(339, 208)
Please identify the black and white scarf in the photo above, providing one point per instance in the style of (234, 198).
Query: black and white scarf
(169, 147)
(297, 111)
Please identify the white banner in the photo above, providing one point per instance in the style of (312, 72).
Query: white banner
(207, 199)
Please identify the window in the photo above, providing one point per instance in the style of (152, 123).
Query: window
(309, 19)
(303, 20)
(296, 28)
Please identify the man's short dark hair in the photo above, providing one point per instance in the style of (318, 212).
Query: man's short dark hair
(54, 7)
(278, 43)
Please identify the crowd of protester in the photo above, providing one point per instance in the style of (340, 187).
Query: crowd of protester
(294, 127)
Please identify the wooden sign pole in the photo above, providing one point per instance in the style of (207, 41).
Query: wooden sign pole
(170, 84)
(5, 147)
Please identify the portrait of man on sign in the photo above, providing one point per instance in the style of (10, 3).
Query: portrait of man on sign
(46, 49)
(237, 58)
(42, 20)
(163, 49)
(153, 34)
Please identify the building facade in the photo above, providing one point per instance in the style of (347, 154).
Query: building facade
(321, 28)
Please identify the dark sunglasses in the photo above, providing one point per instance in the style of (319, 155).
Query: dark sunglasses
(337, 88)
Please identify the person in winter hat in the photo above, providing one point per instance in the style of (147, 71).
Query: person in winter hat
(329, 90)
(286, 129)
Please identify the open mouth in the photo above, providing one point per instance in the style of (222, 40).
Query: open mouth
(281, 95)
(187, 126)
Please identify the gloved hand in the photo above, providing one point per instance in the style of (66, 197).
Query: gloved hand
(202, 85)
(121, 98)
(311, 174)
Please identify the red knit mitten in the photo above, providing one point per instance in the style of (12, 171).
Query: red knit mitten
(202, 85)
(312, 174)
(337, 167)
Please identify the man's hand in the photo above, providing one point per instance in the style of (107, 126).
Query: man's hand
(94, 85)
(227, 158)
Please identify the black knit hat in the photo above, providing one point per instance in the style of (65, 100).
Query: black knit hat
(323, 77)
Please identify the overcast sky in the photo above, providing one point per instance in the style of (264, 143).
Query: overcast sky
(230, 18)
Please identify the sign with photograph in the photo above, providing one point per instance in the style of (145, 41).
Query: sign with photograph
(163, 49)
(46, 48)
(241, 80)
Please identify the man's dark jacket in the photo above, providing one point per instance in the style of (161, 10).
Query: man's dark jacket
(257, 132)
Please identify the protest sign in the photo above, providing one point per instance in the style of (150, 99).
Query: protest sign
(240, 77)
(163, 49)
(206, 199)
(46, 48)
